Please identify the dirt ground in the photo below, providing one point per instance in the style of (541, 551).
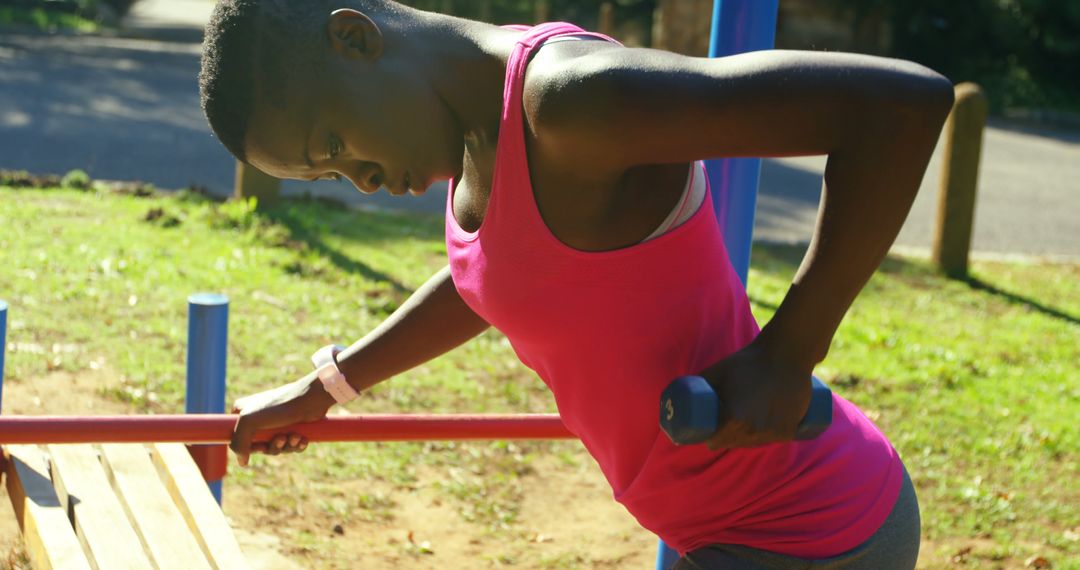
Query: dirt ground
(567, 519)
(579, 530)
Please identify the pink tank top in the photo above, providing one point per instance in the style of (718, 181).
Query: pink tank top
(607, 331)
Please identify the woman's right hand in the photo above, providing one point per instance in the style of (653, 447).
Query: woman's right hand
(302, 401)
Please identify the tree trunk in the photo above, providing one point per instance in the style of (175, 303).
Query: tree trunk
(683, 26)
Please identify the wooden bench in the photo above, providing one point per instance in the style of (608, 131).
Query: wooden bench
(117, 506)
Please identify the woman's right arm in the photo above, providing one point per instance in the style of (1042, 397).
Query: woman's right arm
(432, 321)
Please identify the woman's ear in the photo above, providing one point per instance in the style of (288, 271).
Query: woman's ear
(354, 35)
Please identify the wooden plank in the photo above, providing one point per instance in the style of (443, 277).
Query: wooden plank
(251, 181)
(50, 539)
(157, 520)
(99, 519)
(202, 513)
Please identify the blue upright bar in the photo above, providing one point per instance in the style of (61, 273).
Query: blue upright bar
(738, 26)
(3, 346)
(208, 331)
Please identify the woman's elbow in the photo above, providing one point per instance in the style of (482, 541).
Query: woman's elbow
(927, 92)
(940, 93)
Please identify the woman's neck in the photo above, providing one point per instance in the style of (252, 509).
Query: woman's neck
(465, 61)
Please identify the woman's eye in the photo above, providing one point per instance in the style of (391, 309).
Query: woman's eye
(334, 146)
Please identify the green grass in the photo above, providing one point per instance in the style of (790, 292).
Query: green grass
(43, 19)
(975, 382)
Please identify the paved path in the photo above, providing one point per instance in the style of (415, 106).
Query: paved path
(1028, 200)
(172, 20)
(123, 108)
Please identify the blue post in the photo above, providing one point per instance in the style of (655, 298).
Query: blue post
(3, 345)
(208, 329)
(666, 556)
(738, 26)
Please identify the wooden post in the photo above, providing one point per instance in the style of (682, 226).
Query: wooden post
(959, 180)
(542, 11)
(252, 182)
(682, 26)
(607, 19)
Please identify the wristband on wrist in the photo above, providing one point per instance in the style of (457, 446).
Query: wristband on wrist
(332, 379)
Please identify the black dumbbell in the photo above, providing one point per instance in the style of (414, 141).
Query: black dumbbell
(690, 411)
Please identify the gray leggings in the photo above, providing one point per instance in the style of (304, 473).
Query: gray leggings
(894, 546)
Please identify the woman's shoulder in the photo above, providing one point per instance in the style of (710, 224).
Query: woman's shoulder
(568, 92)
(558, 75)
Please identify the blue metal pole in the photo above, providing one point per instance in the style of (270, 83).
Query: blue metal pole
(3, 345)
(738, 26)
(666, 556)
(208, 330)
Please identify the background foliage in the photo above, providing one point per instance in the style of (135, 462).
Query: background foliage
(1023, 52)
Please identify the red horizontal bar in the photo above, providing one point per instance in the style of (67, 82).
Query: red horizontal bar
(218, 428)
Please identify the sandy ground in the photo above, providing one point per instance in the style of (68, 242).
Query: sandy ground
(579, 529)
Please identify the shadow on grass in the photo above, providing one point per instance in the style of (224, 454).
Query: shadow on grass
(755, 300)
(1015, 299)
(309, 220)
(784, 259)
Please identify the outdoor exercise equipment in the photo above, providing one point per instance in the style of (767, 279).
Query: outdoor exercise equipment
(117, 506)
(124, 505)
(208, 333)
(218, 428)
(124, 492)
(690, 411)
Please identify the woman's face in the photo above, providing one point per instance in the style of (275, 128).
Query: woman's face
(376, 121)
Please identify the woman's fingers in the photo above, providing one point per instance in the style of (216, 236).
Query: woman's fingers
(275, 444)
(295, 444)
(280, 443)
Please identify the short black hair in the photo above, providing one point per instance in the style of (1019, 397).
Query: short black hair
(249, 42)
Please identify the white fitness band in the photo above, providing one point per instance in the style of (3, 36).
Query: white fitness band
(332, 378)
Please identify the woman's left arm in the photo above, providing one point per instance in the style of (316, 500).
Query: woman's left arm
(877, 120)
